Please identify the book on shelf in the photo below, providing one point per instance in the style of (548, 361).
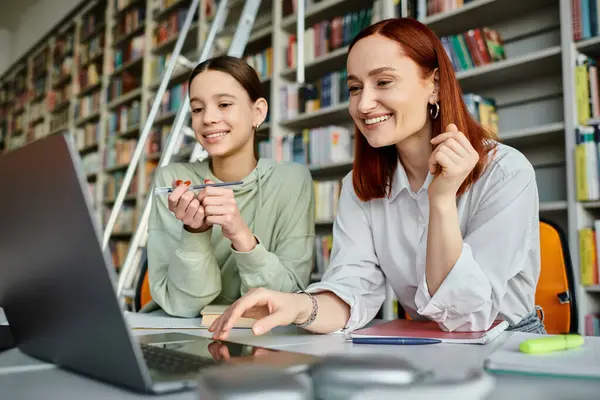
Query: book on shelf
(172, 99)
(92, 50)
(327, 197)
(118, 251)
(158, 66)
(157, 139)
(474, 48)
(323, 145)
(124, 118)
(130, 21)
(589, 245)
(120, 85)
(592, 324)
(87, 105)
(328, 35)
(150, 167)
(64, 46)
(262, 62)
(412, 8)
(126, 220)
(89, 76)
(327, 91)
(120, 152)
(585, 18)
(170, 27)
(323, 245)
(132, 50)
(113, 182)
(483, 110)
(92, 21)
(587, 132)
(586, 89)
(419, 9)
(587, 141)
(88, 135)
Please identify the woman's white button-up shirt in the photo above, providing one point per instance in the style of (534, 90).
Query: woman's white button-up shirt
(386, 239)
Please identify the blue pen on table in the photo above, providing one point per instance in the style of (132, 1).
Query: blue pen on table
(395, 341)
(167, 189)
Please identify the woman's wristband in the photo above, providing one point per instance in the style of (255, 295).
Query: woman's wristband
(313, 315)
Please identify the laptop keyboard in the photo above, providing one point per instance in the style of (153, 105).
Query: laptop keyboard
(173, 361)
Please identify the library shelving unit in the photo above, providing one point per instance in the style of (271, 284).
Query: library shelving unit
(581, 49)
(97, 72)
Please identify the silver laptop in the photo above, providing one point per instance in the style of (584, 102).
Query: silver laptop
(57, 285)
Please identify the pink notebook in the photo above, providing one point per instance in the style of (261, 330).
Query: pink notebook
(429, 329)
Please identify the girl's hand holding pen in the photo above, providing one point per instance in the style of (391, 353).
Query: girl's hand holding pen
(187, 207)
(220, 208)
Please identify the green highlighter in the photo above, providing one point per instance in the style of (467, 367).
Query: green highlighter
(551, 344)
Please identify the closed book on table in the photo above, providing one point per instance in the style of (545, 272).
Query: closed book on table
(403, 328)
(211, 312)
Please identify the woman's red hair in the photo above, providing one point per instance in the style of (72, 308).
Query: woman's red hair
(374, 168)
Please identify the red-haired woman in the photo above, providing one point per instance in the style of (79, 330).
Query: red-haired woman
(435, 205)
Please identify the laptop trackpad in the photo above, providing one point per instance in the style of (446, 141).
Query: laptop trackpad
(232, 353)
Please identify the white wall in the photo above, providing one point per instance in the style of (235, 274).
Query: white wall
(5, 51)
(31, 22)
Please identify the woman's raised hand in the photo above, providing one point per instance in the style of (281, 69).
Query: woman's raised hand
(456, 157)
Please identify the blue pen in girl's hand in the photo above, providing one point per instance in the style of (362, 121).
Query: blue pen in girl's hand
(167, 190)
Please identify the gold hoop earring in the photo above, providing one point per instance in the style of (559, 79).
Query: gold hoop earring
(437, 110)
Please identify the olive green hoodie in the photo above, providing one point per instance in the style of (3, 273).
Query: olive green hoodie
(188, 271)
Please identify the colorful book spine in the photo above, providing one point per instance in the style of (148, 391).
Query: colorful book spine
(329, 35)
(474, 48)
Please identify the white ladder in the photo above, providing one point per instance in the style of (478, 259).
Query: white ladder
(131, 267)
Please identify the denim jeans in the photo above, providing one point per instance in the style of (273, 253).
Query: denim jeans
(531, 324)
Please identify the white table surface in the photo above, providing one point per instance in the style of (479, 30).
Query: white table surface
(43, 381)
